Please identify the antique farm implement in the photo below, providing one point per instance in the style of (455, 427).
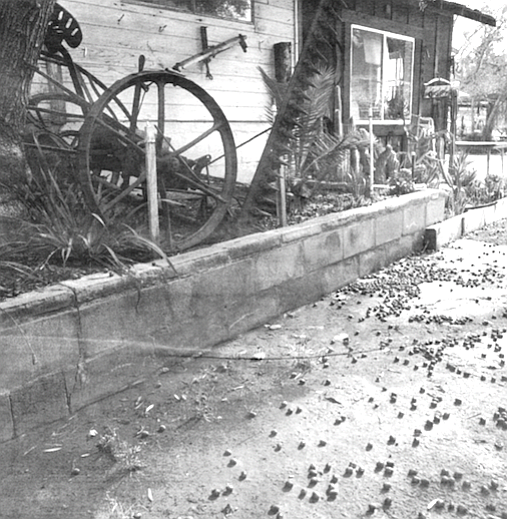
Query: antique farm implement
(103, 129)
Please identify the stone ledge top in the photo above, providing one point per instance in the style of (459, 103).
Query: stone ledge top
(72, 293)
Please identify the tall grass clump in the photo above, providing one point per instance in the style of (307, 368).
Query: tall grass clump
(58, 229)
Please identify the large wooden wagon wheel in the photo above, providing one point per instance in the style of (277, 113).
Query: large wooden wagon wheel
(196, 155)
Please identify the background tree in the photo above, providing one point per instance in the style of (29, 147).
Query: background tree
(481, 66)
(23, 25)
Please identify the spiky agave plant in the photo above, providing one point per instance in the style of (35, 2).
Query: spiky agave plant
(459, 177)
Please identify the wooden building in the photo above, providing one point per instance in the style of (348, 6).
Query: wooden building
(166, 32)
(383, 52)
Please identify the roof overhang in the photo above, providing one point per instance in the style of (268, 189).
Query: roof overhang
(461, 10)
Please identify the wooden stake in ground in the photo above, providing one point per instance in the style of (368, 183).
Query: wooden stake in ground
(151, 182)
(372, 162)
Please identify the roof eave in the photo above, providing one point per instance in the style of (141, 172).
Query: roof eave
(466, 12)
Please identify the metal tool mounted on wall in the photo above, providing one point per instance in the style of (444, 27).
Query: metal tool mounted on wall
(208, 53)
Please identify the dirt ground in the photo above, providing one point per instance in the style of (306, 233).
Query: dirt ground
(384, 399)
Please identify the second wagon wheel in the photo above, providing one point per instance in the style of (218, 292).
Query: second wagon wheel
(196, 155)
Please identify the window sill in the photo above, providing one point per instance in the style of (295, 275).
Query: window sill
(387, 122)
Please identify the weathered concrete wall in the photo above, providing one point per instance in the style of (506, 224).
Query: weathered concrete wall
(69, 345)
(453, 228)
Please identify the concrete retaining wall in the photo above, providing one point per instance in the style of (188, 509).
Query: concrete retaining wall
(437, 236)
(69, 345)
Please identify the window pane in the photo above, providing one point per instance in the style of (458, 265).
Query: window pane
(180, 5)
(366, 84)
(381, 75)
(398, 78)
(240, 10)
(235, 9)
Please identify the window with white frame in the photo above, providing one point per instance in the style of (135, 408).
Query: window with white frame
(381, 75)
(240, 10)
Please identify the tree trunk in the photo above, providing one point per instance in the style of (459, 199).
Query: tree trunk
(491, 118)
(23, 25)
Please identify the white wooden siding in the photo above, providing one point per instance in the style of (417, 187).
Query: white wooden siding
(115, 33)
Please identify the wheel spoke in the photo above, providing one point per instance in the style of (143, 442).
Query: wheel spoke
(136, 105)
(121, 106)
(216, 126)
(160, 114)
(122, 136)
(194, 179)
(126, 192)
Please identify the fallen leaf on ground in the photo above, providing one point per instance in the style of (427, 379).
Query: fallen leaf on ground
(52, 449)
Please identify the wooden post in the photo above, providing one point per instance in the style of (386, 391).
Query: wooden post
(338, 122)
(472, 115)
(372, 158)
(283, 72)
(454, 116)
(283, 61)
(151, 182)
(282, 217)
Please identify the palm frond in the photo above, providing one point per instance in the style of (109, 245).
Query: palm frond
(311, 142)
(317, 108)
(278, 92)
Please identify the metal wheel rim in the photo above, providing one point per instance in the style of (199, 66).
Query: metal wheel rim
(168, 78)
